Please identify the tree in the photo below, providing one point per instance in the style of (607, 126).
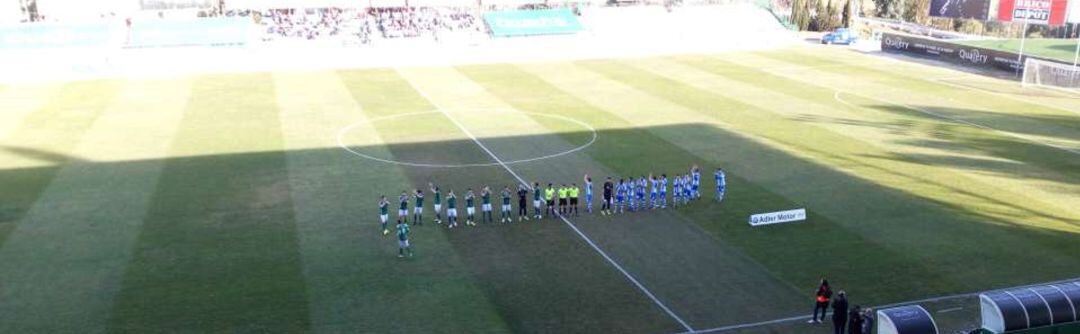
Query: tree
(845, 19)
(802, 13)
(821, 16)
(889, 9)
(917, 11)
(834, 19)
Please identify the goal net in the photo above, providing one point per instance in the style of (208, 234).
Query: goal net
(1050, 74)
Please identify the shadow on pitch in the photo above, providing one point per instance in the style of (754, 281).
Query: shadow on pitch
(1003, 153)
(877, 240)
(846, 211)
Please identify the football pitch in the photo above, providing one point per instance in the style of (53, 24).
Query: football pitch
(246, 202)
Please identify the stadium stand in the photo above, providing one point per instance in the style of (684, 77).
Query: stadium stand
(251, 35)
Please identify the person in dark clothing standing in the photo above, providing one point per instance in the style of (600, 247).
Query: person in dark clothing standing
(840, 313)
(605, 208)
(867, 321)
(523, 209)
(821, 301)
(855, 321)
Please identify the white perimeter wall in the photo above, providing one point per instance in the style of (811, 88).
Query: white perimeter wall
(10, 11)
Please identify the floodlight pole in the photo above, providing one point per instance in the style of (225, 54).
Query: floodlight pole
(1023, 37)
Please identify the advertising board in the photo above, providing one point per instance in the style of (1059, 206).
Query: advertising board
(532, 22)
(1051, 12)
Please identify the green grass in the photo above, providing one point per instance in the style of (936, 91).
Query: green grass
(221, 203)
(1063, 50)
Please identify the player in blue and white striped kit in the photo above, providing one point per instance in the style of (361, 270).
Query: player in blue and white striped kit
(654, 192)
(620, 196)
(696, 181)
(641, 188)
(588, 193)
(676, 190)
(663, 191)
(721, 184)
(688, 188)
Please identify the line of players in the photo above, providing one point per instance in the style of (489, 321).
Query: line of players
(644, 193)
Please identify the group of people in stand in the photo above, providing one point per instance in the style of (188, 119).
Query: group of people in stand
(312, 23)
(398, 22)
(851, 320)
(624, 195)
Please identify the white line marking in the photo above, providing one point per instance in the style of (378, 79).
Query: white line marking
(954, 309)
(837, 97)
(920, 301)
(568, 223)
(341, 143)
(944, 81)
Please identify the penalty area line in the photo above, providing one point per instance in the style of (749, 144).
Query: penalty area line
(573, 227)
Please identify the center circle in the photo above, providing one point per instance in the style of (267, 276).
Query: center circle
(354, 151)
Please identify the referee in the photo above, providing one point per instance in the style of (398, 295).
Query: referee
(605, 208)
(523, 209)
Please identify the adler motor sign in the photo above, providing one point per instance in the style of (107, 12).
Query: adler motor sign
(1051, 12)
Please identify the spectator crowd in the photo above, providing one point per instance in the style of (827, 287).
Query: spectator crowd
(362, 25)
(397, 22)
(310, 24)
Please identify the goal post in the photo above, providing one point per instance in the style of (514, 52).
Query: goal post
(1049, 74)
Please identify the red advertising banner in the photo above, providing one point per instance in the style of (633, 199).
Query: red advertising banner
(1050, 12)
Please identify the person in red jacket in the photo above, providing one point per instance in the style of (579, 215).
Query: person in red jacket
(821, 301)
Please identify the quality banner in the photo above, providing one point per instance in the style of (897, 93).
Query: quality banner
(951, 52)
(532, 22)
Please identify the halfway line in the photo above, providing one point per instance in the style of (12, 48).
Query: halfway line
(568, 223)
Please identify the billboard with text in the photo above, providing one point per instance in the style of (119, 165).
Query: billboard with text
(532, 22)
(960, 9)
(963, 55)
(1051, 12)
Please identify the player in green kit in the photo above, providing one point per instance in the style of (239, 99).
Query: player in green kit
(451, 209)
(403, 239)
(485, 196)
(470, 200)
(504, 212)
(403, 209)
(384, 208)
(437, 202)
(418, 211)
